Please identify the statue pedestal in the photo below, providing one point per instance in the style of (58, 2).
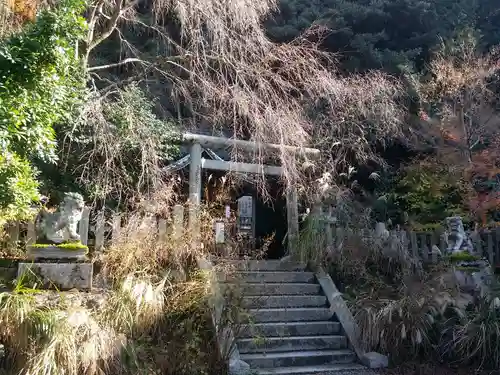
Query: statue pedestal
(57, 252)
(59, 276)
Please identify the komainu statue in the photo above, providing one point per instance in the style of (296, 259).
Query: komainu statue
(61, 226)
(457, 238)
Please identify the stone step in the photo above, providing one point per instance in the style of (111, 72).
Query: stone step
(303, 314)
(279, 329)
(316, 370)
(284, 301)
(267, 265)
(259, 289)
(268, 277)
(286, 344)
(298, 358)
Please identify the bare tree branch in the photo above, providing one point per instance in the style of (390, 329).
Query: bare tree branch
(114, 65)
(110, 27)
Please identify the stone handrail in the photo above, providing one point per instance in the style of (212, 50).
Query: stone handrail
(349, 325)
(225, 335)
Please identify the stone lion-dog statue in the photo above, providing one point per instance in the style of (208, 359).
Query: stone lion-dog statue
(61, 225)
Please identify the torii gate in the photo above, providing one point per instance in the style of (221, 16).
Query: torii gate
(197, 163)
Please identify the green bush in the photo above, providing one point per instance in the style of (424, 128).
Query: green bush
(41, 84)
(18, 187)
(428, 194)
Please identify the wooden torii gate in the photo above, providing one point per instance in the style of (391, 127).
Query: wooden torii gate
(196, 141)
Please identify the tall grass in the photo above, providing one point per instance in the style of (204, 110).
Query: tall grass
(52, 341)
(473, 336)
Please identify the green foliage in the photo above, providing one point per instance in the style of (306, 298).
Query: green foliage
(41, 83)
(125, 146)
(18, 187)
(428, 194)
(463, 256)
(132, 117)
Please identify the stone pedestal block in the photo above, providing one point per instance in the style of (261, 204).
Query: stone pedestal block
(54, 252)
(62, 276)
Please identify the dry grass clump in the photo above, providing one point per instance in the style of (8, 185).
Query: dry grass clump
(136, 307)
(404, 308)
(52, 341)
(144, 326)
(149, 323)
(141, 249)
(404, 324)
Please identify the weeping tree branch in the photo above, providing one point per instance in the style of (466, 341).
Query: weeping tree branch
(219, 64)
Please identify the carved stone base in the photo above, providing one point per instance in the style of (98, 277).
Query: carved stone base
(61, 276)
(54, 252)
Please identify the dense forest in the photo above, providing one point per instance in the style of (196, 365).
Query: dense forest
(395, 36)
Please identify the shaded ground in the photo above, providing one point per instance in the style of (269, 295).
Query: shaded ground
(433, 369)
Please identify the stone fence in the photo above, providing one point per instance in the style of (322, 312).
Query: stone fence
(424, 245)
(96, 230)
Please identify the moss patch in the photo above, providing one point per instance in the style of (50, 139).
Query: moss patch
(7, 263)
(463, 256)
(69, 246)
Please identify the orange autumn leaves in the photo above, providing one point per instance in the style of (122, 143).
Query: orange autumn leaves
(15, 13)
(23, 9)
(485, 167)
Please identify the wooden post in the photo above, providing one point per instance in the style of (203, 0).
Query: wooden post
(339, 239)
(31, 235)
(414, 245)
(492, 256)
(478, 244)
(497, 245)
(178, 222)
(194, 189)
(99, 232)
(292, 213)
(13, 233)
(442, 244)
(330, 240)
(117, 226)
(404, 241)
(434, 255)
(162, 230)
(83, 227)
(425, 249)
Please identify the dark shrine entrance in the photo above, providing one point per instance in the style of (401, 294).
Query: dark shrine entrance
(269, 222)
(270, 219)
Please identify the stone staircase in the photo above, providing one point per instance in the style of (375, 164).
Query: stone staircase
(291, 328)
